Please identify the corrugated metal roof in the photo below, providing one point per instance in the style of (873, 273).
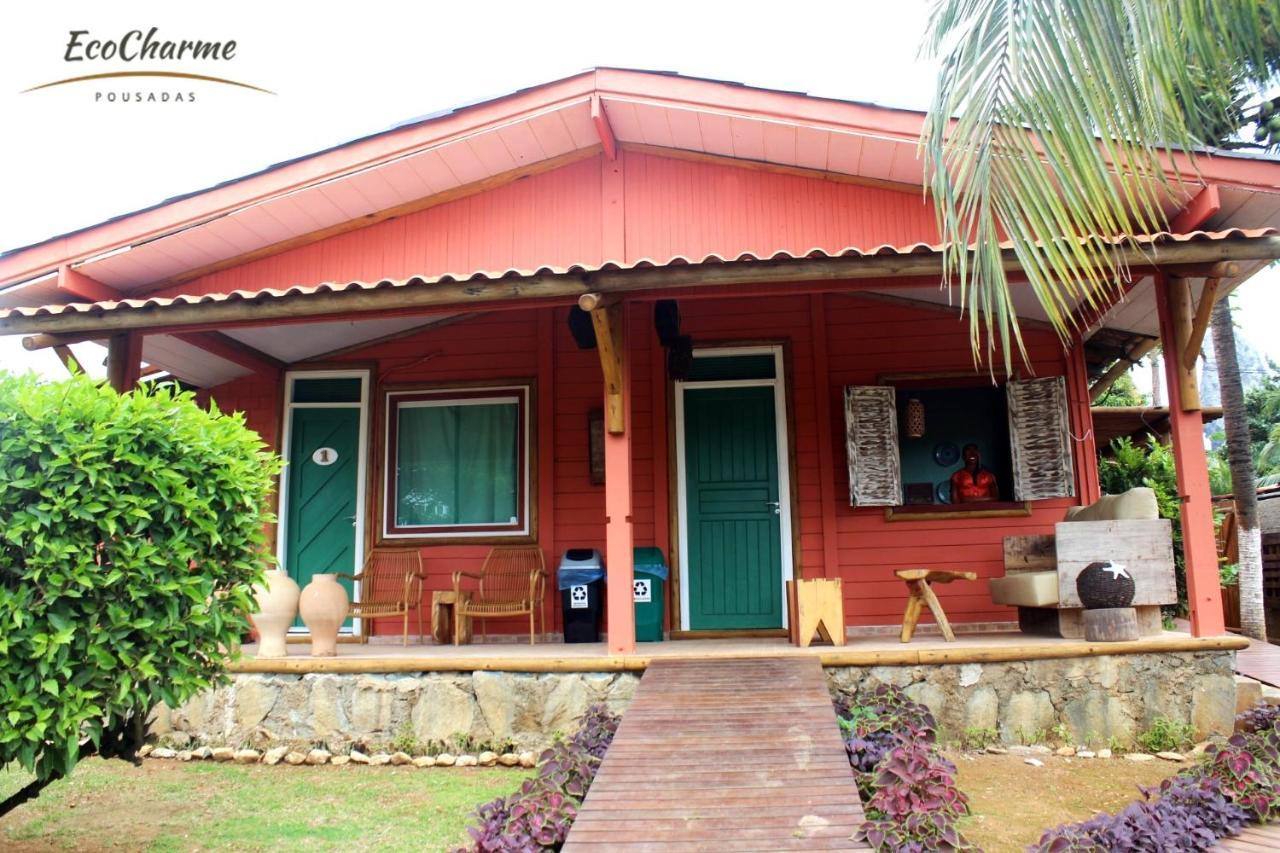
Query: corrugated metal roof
(301, 291)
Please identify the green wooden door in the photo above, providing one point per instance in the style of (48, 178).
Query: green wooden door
(734, 574)
(324, 465)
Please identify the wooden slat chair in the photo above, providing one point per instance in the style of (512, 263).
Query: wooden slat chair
(510, 583)
(390, 585)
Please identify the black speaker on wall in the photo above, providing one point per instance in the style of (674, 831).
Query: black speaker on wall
(680, 357)
(582, 329)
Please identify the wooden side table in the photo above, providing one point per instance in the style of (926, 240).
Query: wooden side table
(919, 585)
(815, 606)
(444, 615)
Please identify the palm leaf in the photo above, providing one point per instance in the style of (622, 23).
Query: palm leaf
(1057, 121)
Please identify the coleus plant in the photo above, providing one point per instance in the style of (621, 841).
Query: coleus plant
(1248, 769)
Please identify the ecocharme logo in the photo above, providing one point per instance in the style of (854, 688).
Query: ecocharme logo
(149, 47)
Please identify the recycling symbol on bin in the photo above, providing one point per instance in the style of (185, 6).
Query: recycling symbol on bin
(577, 597)
(640, 591)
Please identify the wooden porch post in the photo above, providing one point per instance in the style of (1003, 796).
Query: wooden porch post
(1187, 428)
(124, 360)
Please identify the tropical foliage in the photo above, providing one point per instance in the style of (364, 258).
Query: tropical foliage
(1123, 392)
(132, 536)
(1040, 103)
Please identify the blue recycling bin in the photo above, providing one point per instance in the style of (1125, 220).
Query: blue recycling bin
(580, 579)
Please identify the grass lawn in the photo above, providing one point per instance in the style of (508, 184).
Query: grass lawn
(168, 805)
(1013, 803)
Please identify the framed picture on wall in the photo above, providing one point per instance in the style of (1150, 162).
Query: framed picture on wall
(595, 446)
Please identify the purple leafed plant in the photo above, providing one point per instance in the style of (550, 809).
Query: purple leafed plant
(1260, 718)
(539, 815)
(1248, 769)
(915, 802)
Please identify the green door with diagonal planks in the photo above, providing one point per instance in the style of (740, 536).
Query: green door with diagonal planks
(320, 530)
(732, 508)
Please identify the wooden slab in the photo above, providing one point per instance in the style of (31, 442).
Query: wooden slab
(1029, 554)
(1252, 838)
(740, 754)
(1260, 661)
(1144, 547)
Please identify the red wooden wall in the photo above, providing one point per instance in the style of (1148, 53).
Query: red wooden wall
(859, 338)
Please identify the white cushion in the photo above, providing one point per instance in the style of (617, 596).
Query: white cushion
(1139, 503)
(1026, 589)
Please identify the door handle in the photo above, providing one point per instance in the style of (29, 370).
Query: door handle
(352, 519)
(777, 506)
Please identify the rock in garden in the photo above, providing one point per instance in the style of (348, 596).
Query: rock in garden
(145, 750)
(247, 756)
(487, 759)
(358, 757)
(997, 750)
(528, 759)
(1199, 748)
(1019, 749)
(294, 757)
(1034, 762)
(339, 760)
(319, 756)
(275, 756)
(1065, 751)
(1084, 753)
(424, 761)
(1104, 753)
(466, 761)
(508, 759)
(1171, 756)
(379, 759)
(222, 753)
(178, 740)
(444, 759)
(183, 755)
(1040, 749)
(162, 752)
(400, 759)
(202, 754)
(1140, 756)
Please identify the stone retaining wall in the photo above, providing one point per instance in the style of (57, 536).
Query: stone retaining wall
(1097, 698)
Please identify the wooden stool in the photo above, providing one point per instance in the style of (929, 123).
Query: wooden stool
(918, 583)
(443, 618)
(815, 606)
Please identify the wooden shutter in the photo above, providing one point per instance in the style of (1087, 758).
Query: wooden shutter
(1040, 438)
(871, 432)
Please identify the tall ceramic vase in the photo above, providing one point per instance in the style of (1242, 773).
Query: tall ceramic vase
(277, 598)
(323, 605)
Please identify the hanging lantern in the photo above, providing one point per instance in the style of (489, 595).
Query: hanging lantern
(915, 418)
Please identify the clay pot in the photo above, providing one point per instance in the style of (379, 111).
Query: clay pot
(1105, 585)
(277, 598)
(323, 605)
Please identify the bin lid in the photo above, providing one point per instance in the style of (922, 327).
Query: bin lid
(650, 561)
(579, 566)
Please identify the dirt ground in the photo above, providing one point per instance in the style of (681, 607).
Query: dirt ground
(1013, 803)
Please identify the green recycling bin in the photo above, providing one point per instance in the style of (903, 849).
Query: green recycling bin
(648, 593)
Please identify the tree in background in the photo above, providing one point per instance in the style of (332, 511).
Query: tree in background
(1253, 614)
(1041, 102)
(1123, 392)
(132, 537)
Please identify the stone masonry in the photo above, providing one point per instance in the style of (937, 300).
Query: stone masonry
(1096, 698)
(526, 708)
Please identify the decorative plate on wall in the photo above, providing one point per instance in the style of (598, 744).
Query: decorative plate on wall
(943, 491)
(946, 454)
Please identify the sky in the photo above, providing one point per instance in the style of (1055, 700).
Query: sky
(340, 71)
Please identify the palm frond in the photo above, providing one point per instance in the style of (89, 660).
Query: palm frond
(1056, 121)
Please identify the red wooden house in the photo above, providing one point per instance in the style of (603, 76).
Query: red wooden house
(394, 316)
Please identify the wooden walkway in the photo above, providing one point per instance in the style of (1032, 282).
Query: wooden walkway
(1261, 662)
(1252, 839)
(724, 755)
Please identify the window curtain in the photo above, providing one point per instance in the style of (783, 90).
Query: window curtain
(456, 465)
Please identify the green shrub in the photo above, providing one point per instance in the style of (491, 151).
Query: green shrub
(1166, 735)
(131, 533)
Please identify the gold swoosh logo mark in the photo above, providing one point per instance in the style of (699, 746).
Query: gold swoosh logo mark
(170, 74)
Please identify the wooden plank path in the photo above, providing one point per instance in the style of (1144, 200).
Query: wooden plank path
(724, 755)
(1261, 661)
(1252, 839)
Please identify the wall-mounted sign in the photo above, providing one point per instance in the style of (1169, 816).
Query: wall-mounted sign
(324, 456)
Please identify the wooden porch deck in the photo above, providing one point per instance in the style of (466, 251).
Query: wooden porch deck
(1252, 839)
(724, 755)
(1261, 662)
(594, 657)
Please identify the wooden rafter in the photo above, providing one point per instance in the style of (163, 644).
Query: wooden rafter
(229, 349)
(607, 140)
(68, 359)
(85, 289)
(1120, 368)
(606, 317)
(1200, 323)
